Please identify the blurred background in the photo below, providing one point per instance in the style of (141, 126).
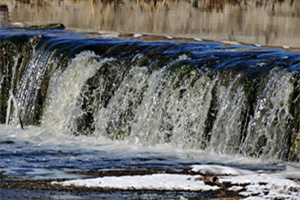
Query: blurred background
(264, 22)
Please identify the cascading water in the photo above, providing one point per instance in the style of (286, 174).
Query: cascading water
(194, 95)
(64, 100)
(31, 82)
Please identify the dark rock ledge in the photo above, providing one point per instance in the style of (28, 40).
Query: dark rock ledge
(51, 26)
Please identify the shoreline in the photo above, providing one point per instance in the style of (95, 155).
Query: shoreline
(38, 185)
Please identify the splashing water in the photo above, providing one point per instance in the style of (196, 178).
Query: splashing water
(201, 96)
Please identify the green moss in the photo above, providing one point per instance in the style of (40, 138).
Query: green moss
(183, 71)
(123, 132)
(97, 93)
(210, 118)
(143, 60)
(294, 154)
(17, 52)
(294, 150)
(260, 146)
(253, 86)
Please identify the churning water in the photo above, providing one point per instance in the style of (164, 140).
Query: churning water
(88, 102)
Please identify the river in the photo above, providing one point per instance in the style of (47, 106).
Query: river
(75, 102)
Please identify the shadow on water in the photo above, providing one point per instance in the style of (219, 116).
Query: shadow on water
(117, 195)
(257, 22)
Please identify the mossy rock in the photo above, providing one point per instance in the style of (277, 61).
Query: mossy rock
(17, 52)
(294, 154)
(260, 146)
(122, 132)
(8, 53)
(96, 94)
(182, 71)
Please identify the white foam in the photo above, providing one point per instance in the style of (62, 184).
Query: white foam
(219, 170)
(48, 137)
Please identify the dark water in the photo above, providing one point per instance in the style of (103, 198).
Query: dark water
(116, 195)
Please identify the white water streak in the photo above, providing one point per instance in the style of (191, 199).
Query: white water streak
(14, 71)
(225, 135)
(65, 89)
(31, 81)
(1, 81)
(154, 109)
(145, 113)
(271, 117)
(16, 109)
(116, 115)
(11, 96)
(172, 116)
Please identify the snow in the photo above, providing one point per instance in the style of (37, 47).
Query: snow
(260, 185)
(235, 188)
(252, 185)
(219, 170)
(265, 185)
(155, 182)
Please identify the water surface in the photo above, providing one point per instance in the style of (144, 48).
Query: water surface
(90, 101)
(274, 23)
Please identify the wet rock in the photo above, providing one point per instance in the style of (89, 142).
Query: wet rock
(46, 26)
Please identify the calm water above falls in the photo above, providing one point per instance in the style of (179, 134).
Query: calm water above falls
(88, 102)
(262, 22)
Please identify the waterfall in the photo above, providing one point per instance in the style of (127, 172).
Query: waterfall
(268, 130)
(64, 100)
(31, 81)
(223, 99)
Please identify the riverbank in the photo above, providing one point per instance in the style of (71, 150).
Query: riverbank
(46, 186)
(213, 186)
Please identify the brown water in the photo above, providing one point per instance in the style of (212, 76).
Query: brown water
(273, 22)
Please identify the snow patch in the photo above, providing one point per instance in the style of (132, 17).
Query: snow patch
(219, 170)
(250, 184)
(155, 182)
(258, 185)
(265, 185)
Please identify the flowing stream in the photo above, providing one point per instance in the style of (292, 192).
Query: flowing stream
(89, 102)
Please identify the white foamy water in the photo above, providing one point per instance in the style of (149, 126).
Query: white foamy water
(264, 181)
(64, 91)
(44, 138)
(162, 107)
